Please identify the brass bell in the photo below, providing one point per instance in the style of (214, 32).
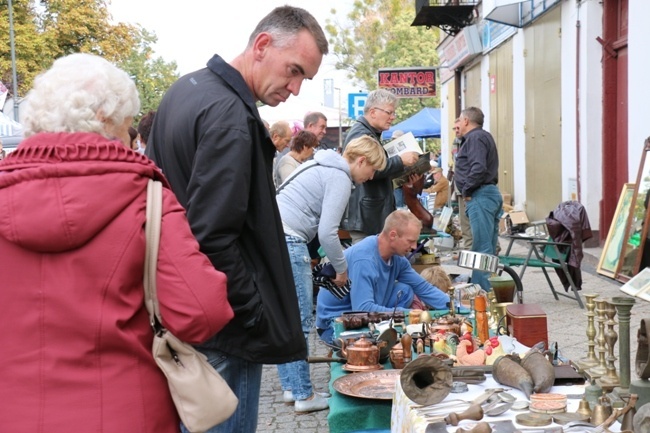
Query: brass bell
(584, 409)
(601, 411)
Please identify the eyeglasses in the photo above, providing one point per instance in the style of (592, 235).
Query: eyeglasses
(390, 113)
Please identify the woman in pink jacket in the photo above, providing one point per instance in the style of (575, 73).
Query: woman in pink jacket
(76, 343)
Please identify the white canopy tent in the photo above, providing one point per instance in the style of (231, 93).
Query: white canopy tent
(9, 127)
(294, 110)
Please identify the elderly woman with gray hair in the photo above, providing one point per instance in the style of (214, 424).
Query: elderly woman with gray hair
(77, 341)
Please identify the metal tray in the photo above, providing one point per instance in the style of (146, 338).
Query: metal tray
(373, 385)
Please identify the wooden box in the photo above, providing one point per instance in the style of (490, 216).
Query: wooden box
(527, 323)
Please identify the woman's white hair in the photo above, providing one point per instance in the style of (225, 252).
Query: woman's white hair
(79, 93)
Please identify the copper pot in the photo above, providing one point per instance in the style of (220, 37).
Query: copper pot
(362, 353)
(397, 356)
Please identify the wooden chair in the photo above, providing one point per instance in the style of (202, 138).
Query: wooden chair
(544, 255)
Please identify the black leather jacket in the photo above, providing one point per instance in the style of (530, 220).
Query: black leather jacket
(372, 201)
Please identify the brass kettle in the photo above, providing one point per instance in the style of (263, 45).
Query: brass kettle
(362, 353)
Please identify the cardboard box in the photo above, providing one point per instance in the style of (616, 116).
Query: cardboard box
(507, 198)
(518, 217)
(519, 221)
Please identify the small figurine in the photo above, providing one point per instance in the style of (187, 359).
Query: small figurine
(493, 349)
(463, 357)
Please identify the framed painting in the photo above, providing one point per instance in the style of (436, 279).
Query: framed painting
(639, 285)
(636, 231)
(609, 258)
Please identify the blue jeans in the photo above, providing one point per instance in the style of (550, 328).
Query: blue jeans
(294, 376)
(399, 197)
(484, 211)
(245, 379)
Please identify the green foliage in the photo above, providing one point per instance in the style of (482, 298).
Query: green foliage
(152, 76)
(378, 34)
(48, 29)
(29, 42)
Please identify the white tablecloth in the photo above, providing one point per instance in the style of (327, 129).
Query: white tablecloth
(404, 419)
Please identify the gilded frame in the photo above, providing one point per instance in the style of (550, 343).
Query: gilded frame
(609, 258)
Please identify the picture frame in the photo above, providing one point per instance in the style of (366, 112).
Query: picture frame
(639, 285)
(609, 259)
(636, 229)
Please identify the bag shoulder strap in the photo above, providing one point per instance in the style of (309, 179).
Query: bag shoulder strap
(304, 166)
(152, 238)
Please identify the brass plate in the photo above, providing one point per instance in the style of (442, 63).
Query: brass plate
(563, 418)
(357, 368)
(374, 385)
(520, 405)
(533, 419)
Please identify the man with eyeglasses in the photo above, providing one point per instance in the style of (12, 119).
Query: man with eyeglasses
(371, 202)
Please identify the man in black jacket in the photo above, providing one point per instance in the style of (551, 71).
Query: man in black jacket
(372, 201)
(212, 145)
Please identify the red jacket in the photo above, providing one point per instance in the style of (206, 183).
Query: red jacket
(76, 343)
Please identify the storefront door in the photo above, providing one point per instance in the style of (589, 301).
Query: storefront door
(543, 115)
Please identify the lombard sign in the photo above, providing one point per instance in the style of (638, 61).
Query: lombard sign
(459, 50)
(356, 103)
(408, 82)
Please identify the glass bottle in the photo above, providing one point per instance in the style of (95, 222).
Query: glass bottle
(482, 330)
(472, 317)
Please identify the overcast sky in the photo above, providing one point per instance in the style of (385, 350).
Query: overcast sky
(191, 31)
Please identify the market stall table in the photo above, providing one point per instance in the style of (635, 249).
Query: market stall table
(349, 414)
(373, 406)
(407, 419)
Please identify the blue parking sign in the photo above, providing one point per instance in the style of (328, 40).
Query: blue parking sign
(356, 102)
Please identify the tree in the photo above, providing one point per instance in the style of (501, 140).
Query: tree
(152, 75)
(83, 26)
(378, 34)
(30, 44)
(56, 28)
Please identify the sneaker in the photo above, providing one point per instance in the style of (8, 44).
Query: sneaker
(287, 396)
(317, 402)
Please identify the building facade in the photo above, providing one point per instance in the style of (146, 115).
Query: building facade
(562, 86)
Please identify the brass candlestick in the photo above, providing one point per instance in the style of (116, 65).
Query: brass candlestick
(611, 337)
(590, 360)
(601, 348)
(492, 301)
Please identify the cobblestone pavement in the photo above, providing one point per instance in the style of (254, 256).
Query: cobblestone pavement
(276, 416)
(566, 323)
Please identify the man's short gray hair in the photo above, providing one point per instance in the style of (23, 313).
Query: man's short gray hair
(474, 115)
(75, 93)
(280, 128)
(379, 97)
(313, 117)
(285, 22)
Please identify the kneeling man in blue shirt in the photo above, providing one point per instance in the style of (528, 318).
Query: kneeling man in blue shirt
(378, 270)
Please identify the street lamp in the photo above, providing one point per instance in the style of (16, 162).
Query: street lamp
(13, 59)
(340, 124)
